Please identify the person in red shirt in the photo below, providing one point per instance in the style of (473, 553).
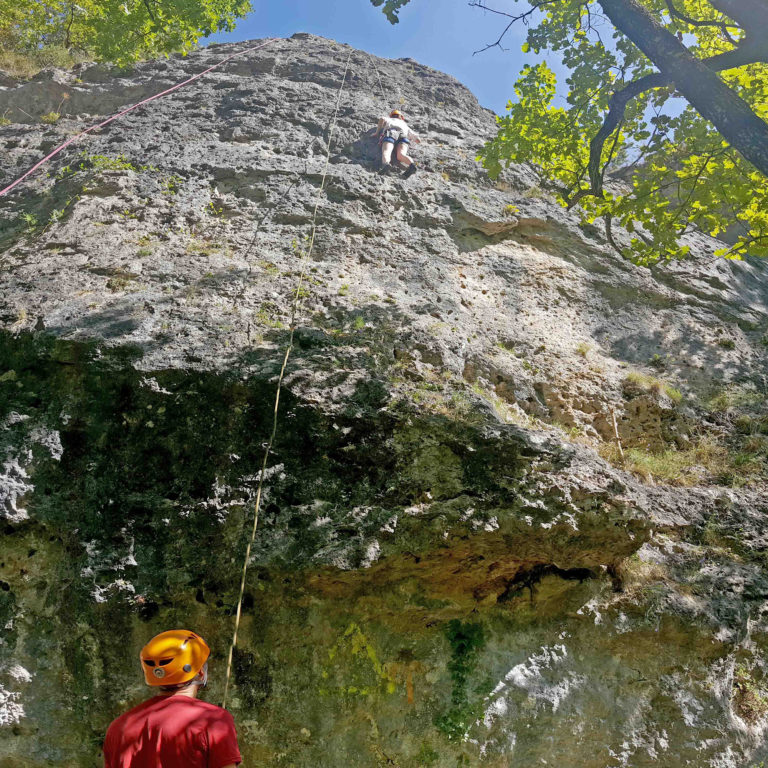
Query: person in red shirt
(174, 729)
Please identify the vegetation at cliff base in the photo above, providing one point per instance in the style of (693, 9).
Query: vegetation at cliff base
(667, 99)
(57, 32)
(466, 640)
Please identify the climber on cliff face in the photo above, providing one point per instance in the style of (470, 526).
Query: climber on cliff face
(395, 133)
(173, 729)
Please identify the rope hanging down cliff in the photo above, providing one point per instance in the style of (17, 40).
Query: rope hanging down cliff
(295, 308)
(173, 88)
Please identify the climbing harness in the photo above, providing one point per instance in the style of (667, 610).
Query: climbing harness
(176, 87)
(295, 308)
(394, 136)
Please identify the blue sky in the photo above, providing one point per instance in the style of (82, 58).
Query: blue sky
(439, 33)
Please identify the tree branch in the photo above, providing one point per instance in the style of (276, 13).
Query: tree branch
(748, 14)
(712, 98)
(150, 11)
(67, 39)
(513, 19)
(742, 245)
(743, 54)
(721, 25)
(616, 109)
(749, 52)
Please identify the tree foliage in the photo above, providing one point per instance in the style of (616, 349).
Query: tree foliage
(624, 114)
(391, 8)
(118, 31)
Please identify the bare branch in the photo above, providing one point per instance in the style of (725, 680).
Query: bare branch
(749, 52)
(513, 19)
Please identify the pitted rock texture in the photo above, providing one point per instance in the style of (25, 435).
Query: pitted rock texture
(447, 572)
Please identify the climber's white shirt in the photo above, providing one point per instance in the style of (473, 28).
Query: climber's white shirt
(397, 124)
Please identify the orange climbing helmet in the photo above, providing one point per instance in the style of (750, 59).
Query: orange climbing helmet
(173, 658)
(397, 113)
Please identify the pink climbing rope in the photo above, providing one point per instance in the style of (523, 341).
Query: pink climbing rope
(176, 87)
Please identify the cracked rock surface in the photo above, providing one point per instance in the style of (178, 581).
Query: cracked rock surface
(515, 512)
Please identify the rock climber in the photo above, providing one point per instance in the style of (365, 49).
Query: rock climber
(173, 729)
(396, 134)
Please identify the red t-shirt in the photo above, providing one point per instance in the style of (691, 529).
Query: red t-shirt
(172, 732)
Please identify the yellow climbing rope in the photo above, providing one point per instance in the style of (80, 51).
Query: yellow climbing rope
(295, 308)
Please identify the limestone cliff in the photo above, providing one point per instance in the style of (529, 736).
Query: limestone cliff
(456, 565)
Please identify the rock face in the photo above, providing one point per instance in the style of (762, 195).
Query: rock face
(455, 565)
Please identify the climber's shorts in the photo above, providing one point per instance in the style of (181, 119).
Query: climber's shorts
(394, 136)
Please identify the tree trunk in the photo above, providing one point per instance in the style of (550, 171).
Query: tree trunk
(748, 14)
(702, 87)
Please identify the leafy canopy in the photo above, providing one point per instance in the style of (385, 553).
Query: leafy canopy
(118, 31)
(391, 8)
(678, 173)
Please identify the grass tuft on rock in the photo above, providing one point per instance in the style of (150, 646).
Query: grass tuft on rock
(707, 460)
(650, 384)
(749, 702)
(24, 65)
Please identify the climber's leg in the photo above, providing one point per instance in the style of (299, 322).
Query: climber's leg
(402, 153)
(387, 145)
(402, 157)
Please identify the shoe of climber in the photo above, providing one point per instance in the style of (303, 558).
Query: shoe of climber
(411, 170)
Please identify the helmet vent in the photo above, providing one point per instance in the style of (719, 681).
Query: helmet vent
(163, 662)
(149, 663)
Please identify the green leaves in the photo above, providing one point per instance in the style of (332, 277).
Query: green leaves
(118, 31)
(678, 175)
(466, 641)
(391, 8)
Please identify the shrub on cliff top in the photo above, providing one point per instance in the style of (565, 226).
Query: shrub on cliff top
(117, 31)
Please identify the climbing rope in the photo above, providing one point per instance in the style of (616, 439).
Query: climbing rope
(176, 87)
(372, 63)
(295, 308)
